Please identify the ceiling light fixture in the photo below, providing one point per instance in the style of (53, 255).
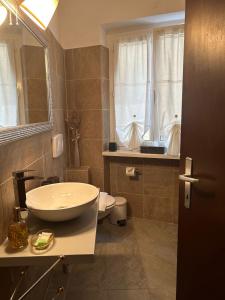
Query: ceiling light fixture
(39, 11)
(3, 14)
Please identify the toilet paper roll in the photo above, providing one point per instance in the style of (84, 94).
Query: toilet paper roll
(130, 171)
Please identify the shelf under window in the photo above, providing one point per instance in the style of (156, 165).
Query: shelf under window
(123, 153)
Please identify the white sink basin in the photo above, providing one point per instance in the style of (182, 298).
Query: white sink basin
(61, 201)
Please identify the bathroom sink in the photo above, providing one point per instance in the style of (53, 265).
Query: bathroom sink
(61, 201)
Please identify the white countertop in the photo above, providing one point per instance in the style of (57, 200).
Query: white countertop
(122, 153)
(74, 239)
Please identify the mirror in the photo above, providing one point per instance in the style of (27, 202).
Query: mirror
(24, 87)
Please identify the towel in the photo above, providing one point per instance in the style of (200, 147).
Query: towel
(102, 202)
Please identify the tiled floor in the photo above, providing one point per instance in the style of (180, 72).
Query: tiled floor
(133, 262)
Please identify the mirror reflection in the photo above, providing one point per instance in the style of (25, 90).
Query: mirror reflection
(23, 76)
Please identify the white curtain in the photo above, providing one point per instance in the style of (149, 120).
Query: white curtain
(148, 75)
(169, 52)
(174, 140)
(132, 89)
(8, 86)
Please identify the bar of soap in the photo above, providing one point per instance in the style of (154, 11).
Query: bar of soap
(43, 239)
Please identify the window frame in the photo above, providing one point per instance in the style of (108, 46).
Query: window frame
(111, 38)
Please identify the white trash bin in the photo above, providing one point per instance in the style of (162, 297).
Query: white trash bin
(118, 214)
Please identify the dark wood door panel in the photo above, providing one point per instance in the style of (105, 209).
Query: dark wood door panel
(201, 242)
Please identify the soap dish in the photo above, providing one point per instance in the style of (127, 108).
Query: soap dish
(42, 239)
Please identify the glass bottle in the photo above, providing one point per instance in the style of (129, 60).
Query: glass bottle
(18, 230)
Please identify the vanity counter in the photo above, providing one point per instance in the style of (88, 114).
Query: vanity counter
(74, 239)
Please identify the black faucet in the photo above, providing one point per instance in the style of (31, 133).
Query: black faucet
(19, 180)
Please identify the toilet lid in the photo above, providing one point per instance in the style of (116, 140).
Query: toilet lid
(110, 201)
(120, 201)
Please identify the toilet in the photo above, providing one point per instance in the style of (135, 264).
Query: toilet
(106, 204)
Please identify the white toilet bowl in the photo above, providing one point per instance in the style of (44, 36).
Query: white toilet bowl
(110, 203)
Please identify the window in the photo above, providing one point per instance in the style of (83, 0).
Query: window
(8, 86)
(147, 72)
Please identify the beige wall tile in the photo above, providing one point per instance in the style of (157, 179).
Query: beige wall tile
(84, 94)
(46, 139)
(106, 175)
(97, 178)
(91, 124)
(8, 202)
(88, 94)
(104, 62)
(113, 177)
(37, 116)
(106, 124)
(59, 59)
(38, 166)
(37, 94)
(158, 208)
(78, 175)
(71, 155)
(59, 93)
(69, 64)
(71, 95)
(157, 186)
(58, 121)
(91, 153)
(87, 91)
(33, 58)
(20, 154)
(128, 184)
(159, 180)
(87, 62)
(54, 167)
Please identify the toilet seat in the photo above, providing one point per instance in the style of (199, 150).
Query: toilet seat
(110, 201)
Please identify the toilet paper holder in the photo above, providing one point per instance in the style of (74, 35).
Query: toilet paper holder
(132, 172)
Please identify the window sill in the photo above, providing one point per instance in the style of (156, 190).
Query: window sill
(136, 154)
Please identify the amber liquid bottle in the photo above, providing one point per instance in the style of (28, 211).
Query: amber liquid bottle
(18, 231)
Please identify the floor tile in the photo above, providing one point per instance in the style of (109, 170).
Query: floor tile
(128, 295)
(124, 272)
(157, 238)
(161, 277)
(86, 295)
(123, 264)
(137, 261)
(87, 275)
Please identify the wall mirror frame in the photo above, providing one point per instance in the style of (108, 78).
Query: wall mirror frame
(11, 134)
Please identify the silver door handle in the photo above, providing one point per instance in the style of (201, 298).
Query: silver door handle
(187, 178)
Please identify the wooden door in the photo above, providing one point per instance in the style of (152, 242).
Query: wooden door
(201, 238)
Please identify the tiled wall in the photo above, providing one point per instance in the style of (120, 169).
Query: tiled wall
(34, 152)
(87, 84)
(34, 83)
(154, 193)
